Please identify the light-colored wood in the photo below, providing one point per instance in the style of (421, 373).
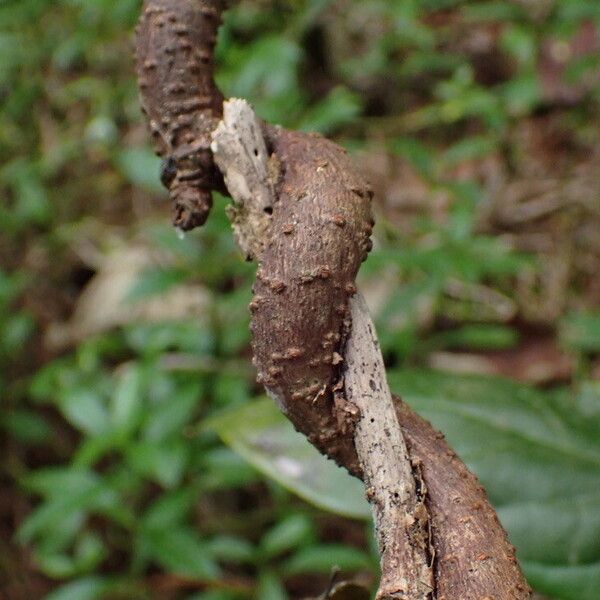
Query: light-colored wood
(240, 152)
(400, 515)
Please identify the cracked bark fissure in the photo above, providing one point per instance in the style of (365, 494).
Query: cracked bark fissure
(304, 213)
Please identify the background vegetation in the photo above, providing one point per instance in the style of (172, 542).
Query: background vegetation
(138, 459)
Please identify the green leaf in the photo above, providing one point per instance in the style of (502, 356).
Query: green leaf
(479, 337)
(265, 72)
(539, 459)
(181, 551)
(338, 108)
(468, 149)
(493, 10)
(537, 453)
(50, 517)
(588, 403)
(15, 333)
(567, 583)
(259, 433)
(216, 595)
(60, 481)
(581, 332)
(87, 588)
(231, 549)
(270, 587)
(323, 558)
(288, 534)
(89, 552)
(25, 425)
(126, 407)
(169, 510)
(224, 469)
(522, 94)
(172, 414)
(154, 282)
(141, 168)
(85, 409)
(164, 463)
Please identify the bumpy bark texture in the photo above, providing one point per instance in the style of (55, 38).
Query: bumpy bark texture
(175, 41)
(473, 558)
(319, 236)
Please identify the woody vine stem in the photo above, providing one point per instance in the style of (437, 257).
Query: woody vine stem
(300, 210)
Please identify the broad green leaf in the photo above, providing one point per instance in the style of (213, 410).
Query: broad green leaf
(568, 583)
(85, 409)
(539, 460)
(267, 441)
(537, 453)
(524, 444)
(59, 481)
(231, 549)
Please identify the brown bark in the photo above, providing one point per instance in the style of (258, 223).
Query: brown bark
(175, 42)
(473, 558)
(319, 236)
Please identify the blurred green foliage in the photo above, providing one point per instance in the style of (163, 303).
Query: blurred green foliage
(131, 494)
(539, 464)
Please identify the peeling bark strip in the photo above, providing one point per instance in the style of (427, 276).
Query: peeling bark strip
(396, 493)
(305, 215)
(241, 153)
(175, 41)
